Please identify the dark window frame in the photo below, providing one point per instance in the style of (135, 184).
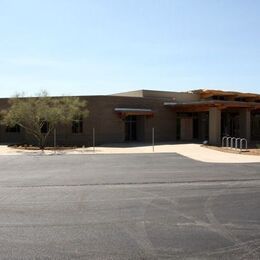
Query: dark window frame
(130, 128)
(77, 126)
(13, 129)
(45, 127)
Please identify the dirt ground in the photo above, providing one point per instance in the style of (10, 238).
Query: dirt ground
(250, 151)
(35, 148)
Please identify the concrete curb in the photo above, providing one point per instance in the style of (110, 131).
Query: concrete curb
(192, 151)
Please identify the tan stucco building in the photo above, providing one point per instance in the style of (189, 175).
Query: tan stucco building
(185, 116)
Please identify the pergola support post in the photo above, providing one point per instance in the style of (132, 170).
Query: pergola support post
(245, 123)
(214, 126)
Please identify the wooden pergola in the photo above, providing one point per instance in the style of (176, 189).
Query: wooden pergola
(204, 106)
(228, 95)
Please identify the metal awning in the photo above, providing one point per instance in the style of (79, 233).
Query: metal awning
(133, 111)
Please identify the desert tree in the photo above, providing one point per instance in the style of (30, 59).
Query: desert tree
(34, 113)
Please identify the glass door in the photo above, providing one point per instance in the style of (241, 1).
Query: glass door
(130, 128)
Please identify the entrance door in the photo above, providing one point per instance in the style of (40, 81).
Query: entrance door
(130, 128)
(230, 123)
(186, 129)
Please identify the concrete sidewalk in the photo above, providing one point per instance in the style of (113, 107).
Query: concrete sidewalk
(193, 151)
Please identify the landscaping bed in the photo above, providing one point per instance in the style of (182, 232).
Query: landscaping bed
(49, 148)
(249, 151)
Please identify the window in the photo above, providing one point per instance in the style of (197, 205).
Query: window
(195, 128)
(13, 129)
(178, 128)
(218, 98)
(77, 125)
(45, 127)
(240, 99)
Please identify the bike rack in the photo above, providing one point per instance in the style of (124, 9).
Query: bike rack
(241, 144)
(228, 143)
(236, 142)
(223, 140)
(233, 142)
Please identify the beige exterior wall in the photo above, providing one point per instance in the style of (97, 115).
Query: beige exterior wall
(137, 93)
(109, 127)
(177, 96)
(167, 95)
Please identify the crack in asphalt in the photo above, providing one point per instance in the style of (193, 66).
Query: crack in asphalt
(203, 182)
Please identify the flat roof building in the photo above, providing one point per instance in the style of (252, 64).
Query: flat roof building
(176, 116)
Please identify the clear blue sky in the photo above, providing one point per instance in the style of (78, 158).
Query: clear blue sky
(90, 47)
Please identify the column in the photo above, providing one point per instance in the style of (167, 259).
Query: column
(214, 126)
(245, 123)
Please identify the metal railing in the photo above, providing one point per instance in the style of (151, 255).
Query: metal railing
(234, 142)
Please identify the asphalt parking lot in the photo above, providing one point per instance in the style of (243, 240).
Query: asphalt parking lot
(131, 206)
